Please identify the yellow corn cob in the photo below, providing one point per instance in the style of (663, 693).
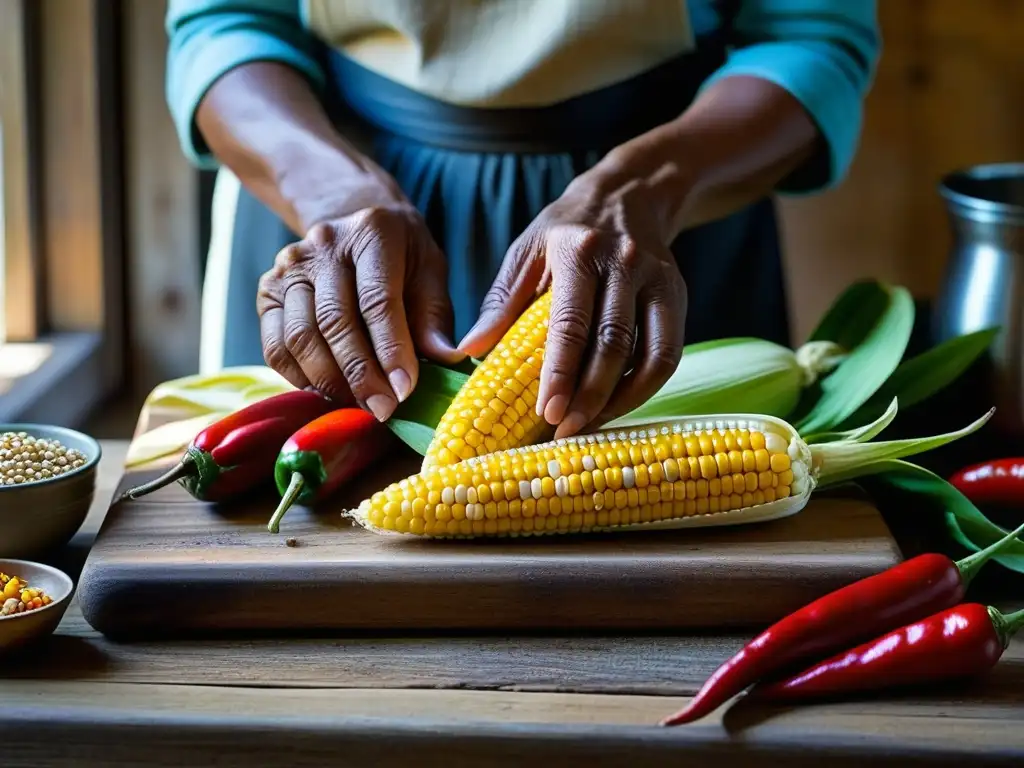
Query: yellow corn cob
(709, 470)
(665, 475)
(495, 409)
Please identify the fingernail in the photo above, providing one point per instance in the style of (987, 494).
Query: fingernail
(466, 344)
(441, 339)
(469, 338)
(555, 409)
(447, 347)
(401, 384)
(381, 406)
(572, 424)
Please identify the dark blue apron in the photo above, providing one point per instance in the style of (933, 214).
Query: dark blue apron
(480, 176)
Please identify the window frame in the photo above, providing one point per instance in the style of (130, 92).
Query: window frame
(64, 239)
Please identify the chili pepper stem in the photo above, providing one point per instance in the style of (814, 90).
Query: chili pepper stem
(972, 564)
(295, 486)
(1006, 624)
(184, 468)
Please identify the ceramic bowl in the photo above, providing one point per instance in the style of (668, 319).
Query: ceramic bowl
(40, 516)
(20, 628)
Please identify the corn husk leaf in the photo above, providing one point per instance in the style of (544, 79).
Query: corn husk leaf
(848, 460)
(415, 434)
(167, 440)
(926, 374)
(226, 391)
(744, 375)
(873, 322)
(467, 366)
(906, 486)
(860, 434)
(414, 420)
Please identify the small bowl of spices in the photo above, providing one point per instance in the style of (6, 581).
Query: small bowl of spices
(33, 599)
(47, 484)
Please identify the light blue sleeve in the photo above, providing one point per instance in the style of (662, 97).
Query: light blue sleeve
(209, 37)
(825, 53)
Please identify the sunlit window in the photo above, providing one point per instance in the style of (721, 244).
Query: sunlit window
(60, 191)
(3, 236)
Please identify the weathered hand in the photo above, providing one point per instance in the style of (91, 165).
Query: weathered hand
(618, 302)
(347, 308)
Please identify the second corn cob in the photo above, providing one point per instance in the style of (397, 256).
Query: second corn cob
(712, 470)
(598, 481)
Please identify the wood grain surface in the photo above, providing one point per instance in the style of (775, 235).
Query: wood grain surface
(115, 725)
(87, 700)
(663, 665)
(168, 565)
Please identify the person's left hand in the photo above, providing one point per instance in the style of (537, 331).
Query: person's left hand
(618, 305)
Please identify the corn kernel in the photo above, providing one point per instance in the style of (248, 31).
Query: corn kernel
(762, 462)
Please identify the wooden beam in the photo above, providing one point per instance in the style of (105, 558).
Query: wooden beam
(73, 724)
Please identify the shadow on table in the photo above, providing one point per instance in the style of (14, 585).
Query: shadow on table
(57, 657)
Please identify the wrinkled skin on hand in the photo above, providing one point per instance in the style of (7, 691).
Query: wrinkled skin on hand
(348, 308)
(618, 306)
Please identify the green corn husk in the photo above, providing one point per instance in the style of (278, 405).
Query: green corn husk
(744, 375)
(873, 321)
(415, 419)
(922, 376)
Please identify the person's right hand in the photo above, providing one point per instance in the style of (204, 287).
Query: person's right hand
(348, 308)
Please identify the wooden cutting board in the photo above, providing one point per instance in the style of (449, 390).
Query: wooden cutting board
(168, 565)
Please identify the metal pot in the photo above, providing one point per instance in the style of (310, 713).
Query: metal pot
(984, 281)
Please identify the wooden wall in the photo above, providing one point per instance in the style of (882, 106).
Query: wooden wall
(162, 200)
(949, 93)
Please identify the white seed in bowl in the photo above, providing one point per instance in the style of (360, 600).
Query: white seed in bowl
(26, 459)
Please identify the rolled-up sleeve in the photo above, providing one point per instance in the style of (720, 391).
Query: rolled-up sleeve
(207, 38)
(825, 53)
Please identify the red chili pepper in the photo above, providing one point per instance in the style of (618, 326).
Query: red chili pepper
(959, 642)
(992, 482)
(323, 454)
(237, 453)
(907, 592)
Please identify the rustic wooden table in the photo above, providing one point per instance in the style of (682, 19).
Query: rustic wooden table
(82, 700)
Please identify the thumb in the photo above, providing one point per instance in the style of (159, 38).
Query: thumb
(513, 289)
